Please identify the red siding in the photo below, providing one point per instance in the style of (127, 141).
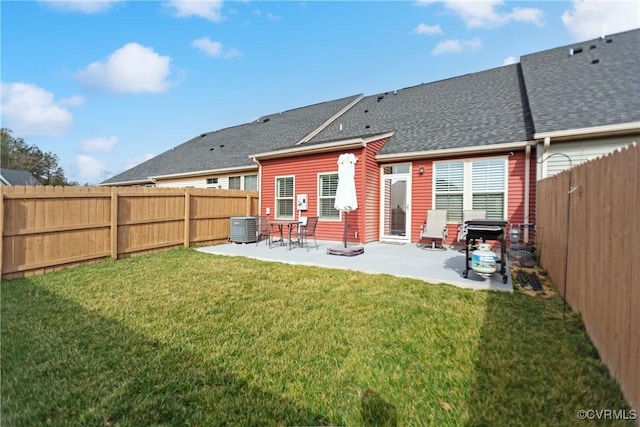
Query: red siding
(362, 222)
(371, 213)
(422, 192)
(422, 195)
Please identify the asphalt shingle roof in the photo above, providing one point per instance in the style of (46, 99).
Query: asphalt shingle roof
(471, 110)
(598, 85)
(547, 91)
(18, 177)
(231, 147)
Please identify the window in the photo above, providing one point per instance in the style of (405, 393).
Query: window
(449, 189)
(212, 181)
(284, 197)
(470, 184)
(251, 182)
(488, 186)
(234, 183)
(327, 186)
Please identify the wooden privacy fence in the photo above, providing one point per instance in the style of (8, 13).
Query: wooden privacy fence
(46, 228)
(603, 265)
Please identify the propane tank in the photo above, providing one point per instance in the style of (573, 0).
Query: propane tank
(483, 260)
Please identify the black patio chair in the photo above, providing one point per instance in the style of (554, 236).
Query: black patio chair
(264, 230)
(308, 230)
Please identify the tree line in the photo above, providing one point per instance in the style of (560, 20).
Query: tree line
(16, 153)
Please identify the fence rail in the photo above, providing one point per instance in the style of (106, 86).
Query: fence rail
(47, 228)
(601, 200)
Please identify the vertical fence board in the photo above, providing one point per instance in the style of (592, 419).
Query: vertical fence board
(602, 268)
(47, 228)
(114, 223)
(1, 228)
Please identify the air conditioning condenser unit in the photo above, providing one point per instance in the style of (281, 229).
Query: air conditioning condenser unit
(244, 229)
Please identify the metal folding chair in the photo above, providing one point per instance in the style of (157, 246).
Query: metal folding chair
(264, 230)
(434, 229)
(308, 230)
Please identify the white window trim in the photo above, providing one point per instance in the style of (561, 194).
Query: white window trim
(467, 193)
(276, 198)
(339, 219)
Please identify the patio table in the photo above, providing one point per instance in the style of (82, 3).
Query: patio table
(281, 223)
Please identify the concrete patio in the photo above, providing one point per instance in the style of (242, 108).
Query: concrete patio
(402, 260)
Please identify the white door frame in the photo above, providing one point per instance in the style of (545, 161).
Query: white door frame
(406, 176)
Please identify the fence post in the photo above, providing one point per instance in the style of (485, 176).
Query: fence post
(1, 226)
(248, 205)
(114, 222)
(187, 215)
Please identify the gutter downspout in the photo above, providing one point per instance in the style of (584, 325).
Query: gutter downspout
(545, 154)
(256, 161)
(527, 190)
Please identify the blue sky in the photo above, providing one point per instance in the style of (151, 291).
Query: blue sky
(108, 84)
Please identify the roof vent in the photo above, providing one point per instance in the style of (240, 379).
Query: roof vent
(595, 61)
(367, 126)
(577, 50)
(221, 145)
(609, 40)
(203, 135)
(366, 111)
(211, 149)
(340, 127)
(380, 98)
(266, 120)
(593, 46)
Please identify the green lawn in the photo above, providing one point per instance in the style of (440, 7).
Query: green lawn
(186, 338)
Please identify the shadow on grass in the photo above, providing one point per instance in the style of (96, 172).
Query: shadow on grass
(534, 368)
(65, 365)
(376, 411)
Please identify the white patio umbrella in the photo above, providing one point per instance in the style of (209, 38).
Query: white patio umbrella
(346, 198)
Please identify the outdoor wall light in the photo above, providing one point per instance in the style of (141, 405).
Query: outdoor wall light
(421, 170)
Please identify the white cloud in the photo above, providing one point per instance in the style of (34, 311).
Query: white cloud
(510, 60)
(29, 110)
(456, 46)
(72, 101)
(209, 10)
(131, 69)
(103, 145)
(215, 48)
(82, 6)
(89, 168)
(527, 14)
(427, 29)
(486, 13)
(590, 19)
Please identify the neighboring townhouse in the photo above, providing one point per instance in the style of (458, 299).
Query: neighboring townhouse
(477, 141)
(17, 177)
(584, 99)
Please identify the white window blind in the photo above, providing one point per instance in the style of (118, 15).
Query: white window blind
(488, 185)
(251, 182)
(470, 184)
(284, 197)
(327, 186)
(449, 189)
(234, 183)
